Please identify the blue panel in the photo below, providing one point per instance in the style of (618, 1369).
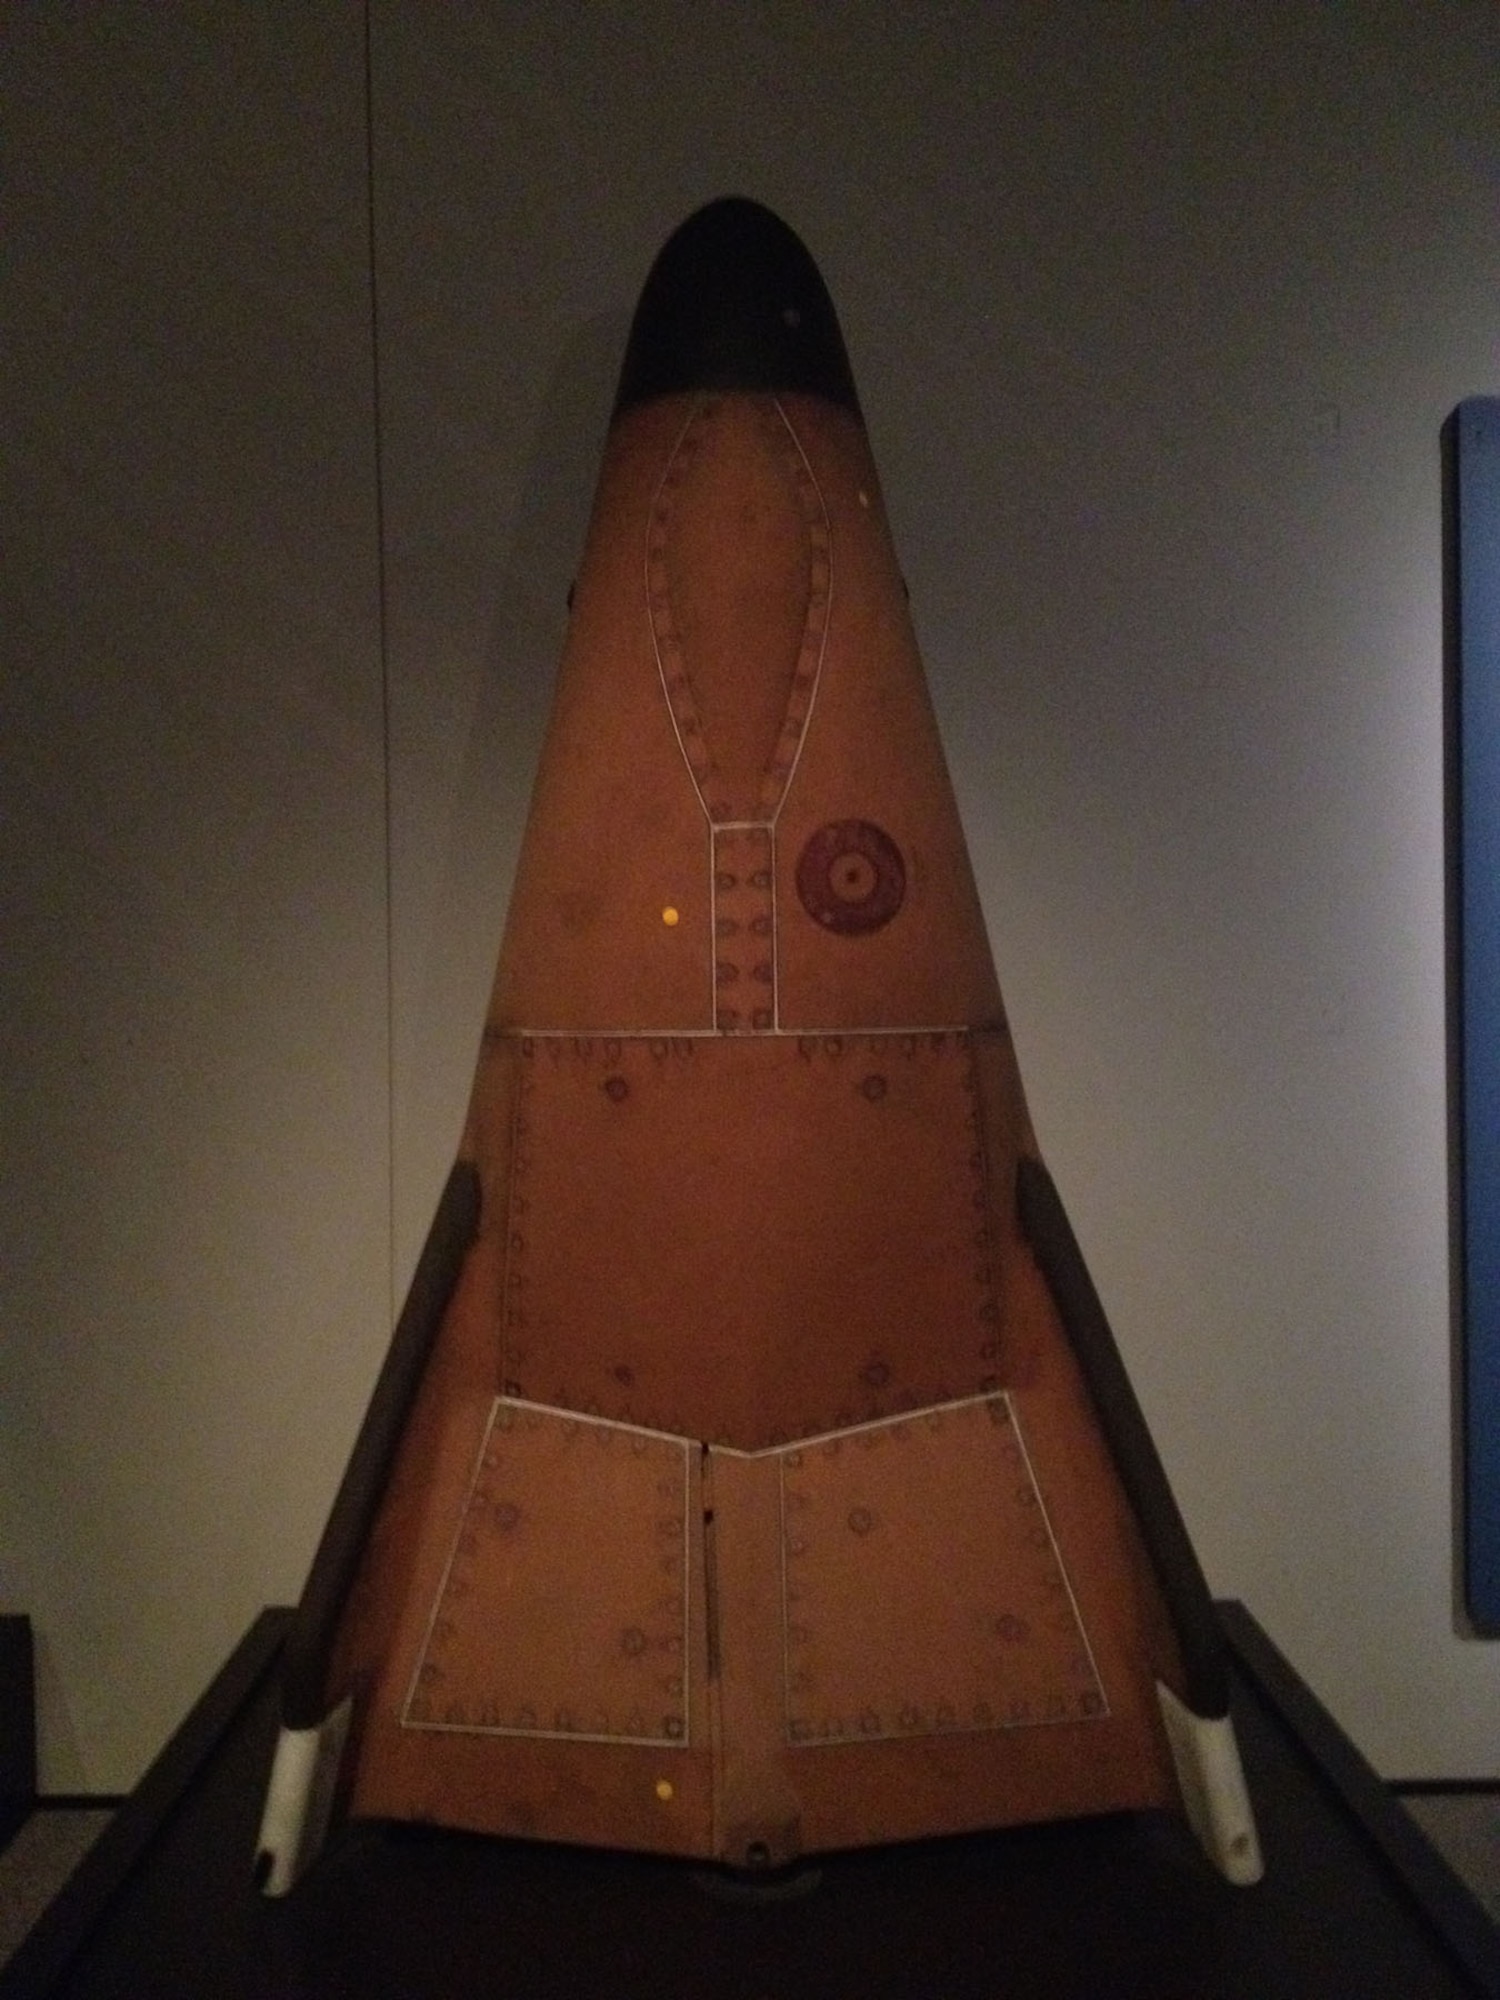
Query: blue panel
(1475, 551)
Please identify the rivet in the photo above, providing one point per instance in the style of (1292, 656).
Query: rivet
(669, 916)
(665, 1789)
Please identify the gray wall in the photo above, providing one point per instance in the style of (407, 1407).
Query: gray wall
(1155, 310)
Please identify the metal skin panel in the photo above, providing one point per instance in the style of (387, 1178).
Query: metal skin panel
(907, 1503)
(826, 1264)
(754, 1500)
(574, 1543)
(632, 785)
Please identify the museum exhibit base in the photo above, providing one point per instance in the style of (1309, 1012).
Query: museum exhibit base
(17, 1725)
(1354, 1901)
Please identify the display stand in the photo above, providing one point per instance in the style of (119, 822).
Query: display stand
(17, 1725)
(1355, 1901)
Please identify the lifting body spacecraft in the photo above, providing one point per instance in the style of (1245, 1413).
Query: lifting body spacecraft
(753, 1471)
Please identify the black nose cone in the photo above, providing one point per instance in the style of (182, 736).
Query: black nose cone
(734, 301)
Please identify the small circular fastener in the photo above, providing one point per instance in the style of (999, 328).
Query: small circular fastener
(665, 1790)
(670, 917)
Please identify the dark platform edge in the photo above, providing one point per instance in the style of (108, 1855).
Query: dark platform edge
(65, 1925)
(1414, 1866)
(1428, 1881)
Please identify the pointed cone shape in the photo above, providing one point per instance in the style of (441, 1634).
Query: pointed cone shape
(754, 1471)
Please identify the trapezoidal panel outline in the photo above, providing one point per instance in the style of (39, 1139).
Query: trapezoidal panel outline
(563, 1608)
(923, 1589)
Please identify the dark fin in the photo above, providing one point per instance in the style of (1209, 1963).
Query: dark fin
(1045, 1225)
(310, 1644)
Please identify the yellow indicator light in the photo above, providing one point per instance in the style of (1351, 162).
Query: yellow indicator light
(669, 916)
(664, 1789)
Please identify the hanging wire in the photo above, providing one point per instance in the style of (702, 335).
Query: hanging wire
(382, 628)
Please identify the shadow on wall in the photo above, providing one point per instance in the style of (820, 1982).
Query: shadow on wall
(502, 741)
(531, 616)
